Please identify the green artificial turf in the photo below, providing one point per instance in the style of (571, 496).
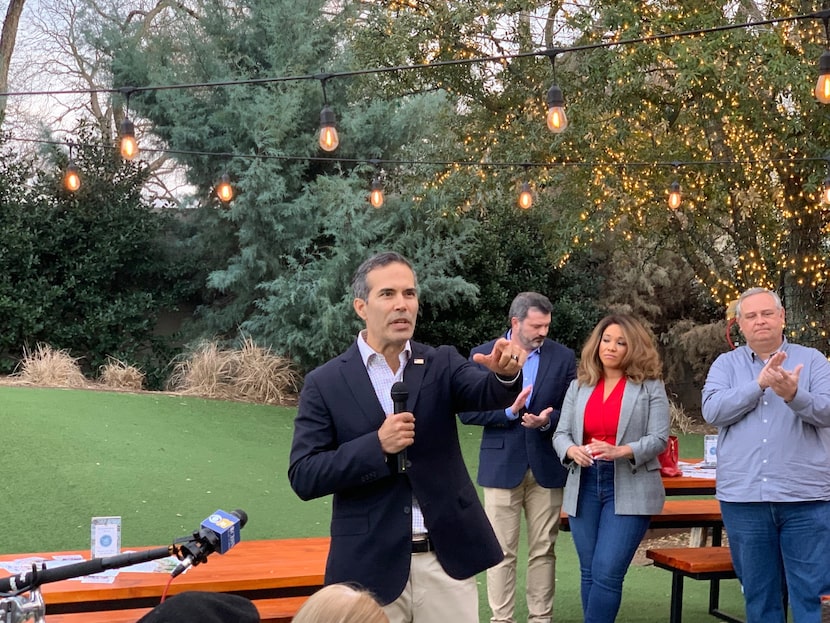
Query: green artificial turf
(164, 463)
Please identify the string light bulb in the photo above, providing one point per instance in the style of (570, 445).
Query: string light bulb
(127, 142)
(71, 177)
(224, 189)
(556, 118)
(129, 145)
(822, 91)
(675, 196)
(525, 197)
(329, 139)
(376, 195)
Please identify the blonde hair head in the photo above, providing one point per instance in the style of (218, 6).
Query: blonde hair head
(341, 603)
(641, 360)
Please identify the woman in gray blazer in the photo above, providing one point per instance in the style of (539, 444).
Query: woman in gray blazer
(614, 423)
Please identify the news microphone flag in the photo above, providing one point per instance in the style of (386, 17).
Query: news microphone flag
(218, 533)
(227, 527)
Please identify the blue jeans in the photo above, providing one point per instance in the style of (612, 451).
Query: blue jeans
(605, 542)
(774, 541)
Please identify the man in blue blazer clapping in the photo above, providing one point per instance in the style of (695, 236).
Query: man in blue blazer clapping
(518, 468)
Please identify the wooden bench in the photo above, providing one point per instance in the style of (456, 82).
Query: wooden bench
(699, 563)
(280, 610)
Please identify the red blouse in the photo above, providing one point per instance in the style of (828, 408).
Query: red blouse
(603, 418)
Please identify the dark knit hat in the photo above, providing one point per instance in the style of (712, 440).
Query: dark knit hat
(203, 607)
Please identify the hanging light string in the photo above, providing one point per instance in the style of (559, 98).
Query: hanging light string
(492, 164)
(556, 118)
(823, 14)
(225, 192)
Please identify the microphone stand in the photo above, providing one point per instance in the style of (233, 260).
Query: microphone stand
(17, 609)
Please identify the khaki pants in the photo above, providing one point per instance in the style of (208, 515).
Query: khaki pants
(431, 596)
(504, 509)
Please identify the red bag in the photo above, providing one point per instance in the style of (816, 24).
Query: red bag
(669, 458)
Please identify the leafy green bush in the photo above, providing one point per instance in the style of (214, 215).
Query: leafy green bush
(86, 272)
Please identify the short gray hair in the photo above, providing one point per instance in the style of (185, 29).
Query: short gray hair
(524, 302)
(752, 292)
(360, 287)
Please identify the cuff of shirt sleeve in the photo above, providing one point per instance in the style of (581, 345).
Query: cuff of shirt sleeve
(508, 382)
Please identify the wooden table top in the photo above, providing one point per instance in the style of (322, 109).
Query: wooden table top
(688, 513)
(689, 485)
(255, 569)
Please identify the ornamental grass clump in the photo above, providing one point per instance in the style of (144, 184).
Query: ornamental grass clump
(681, 422)
(260, 376)
(116, 374)
(48, 367)
(250, 373)
(204, 372)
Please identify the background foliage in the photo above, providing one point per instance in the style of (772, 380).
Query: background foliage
(731, 115)
(728, 114)
(87, 272)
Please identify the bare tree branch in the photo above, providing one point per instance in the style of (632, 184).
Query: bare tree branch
(7, 41)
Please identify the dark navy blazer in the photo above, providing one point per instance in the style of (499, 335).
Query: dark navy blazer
(336, 450)
(508, 449)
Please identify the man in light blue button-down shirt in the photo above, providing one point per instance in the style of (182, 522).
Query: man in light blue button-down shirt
(770, 400)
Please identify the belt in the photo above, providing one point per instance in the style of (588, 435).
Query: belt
(422, 546)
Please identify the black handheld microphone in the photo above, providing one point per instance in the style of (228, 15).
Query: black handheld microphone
(399, 395)
(218, 533)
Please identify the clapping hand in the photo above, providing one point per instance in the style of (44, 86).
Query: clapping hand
(783, 382)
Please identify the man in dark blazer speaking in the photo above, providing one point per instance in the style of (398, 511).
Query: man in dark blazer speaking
(518, 468)
(408, 527)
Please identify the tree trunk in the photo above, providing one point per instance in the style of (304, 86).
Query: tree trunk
(7, 40)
